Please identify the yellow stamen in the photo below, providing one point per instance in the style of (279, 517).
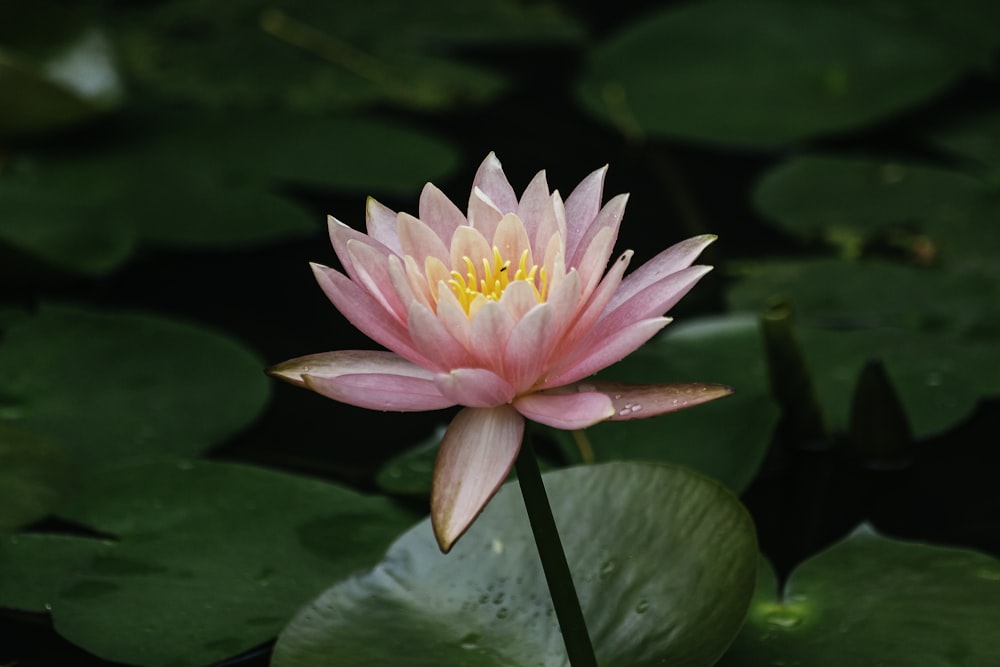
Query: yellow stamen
(495, 278)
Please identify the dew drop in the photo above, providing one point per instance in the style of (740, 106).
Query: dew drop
(502, 612)
(498, 598)
(607, 568)
(784, 620)
(470, 641)
(636, 408)
(484, 598)
(642, 606)
(586, 388)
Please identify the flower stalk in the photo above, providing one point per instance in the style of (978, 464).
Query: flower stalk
(543, 526)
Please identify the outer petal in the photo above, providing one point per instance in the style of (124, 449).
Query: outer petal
(474, 387)
(655, 300)
(494, 184)
(381, 225)
(365, 313)
(582, 206)
(476, 455)
(673, 259)
(609, 216)
(633, 401)
(566, 410)
(601, 354)
(533, 204)
(368, 379)
(439, 213)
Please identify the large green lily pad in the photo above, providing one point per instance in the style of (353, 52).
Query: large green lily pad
(34, 566)
(112, 387)
(837, 294)
(207, 180)
(212, 558)
(871, 600)
(321, 55)
(722, 350)
(770, 71)
(851, 201)
(663, 560)
(34, 474)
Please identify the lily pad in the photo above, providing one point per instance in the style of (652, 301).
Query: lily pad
(976, 138)
(951, 217)
(35, 565)
(871, 600)
(114, 387)
(411, 472)
(766, 72)
(34, 474)
(205, 180)
(212, 558)
(664, 561)
(722, 350)
(836, 294)
(316, 56)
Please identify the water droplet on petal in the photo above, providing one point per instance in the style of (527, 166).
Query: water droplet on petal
(586, 388)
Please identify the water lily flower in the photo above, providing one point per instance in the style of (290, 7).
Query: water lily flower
(506, 311)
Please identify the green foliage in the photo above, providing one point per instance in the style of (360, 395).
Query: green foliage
(109, 388)
(668, 583)
(873, 600)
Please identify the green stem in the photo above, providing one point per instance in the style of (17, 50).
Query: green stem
(543, 526)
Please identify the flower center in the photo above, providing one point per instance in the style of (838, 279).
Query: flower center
(492, 280)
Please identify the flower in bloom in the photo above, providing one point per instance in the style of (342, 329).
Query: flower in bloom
(506, 311)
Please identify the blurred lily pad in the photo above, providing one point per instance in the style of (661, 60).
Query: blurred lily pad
(836, 294)
(770, 71)
(315, 56)
(72, 83)
(114, 387)
(411, 472)
(212, 558)
(722, 350)
(975, 138)
(871, 600)
(944, 216)
(663, 585)
(202, 180)
(36, 564)
(34, 475)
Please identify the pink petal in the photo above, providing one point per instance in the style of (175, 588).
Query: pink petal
(518, 299)
(372, 269)
(439, 213)
(418, 240)
(365, 313)
(582, 207)
(434, 340)
(567, 411)
(610, 216)
(476, 455)
(591, 358)
(595, 260)
(673, 259)
(511, 240)
(655, 300)
(488, 334)
(533, 204)
(469, 242)
(641, 401)
(494, 184)
(474, 387)
(381, 225)
(341, 235)
(375, 380)
(598, 300)
(528, 347)
(484, 215)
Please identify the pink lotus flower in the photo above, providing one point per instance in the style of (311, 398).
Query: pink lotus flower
(505, 311)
